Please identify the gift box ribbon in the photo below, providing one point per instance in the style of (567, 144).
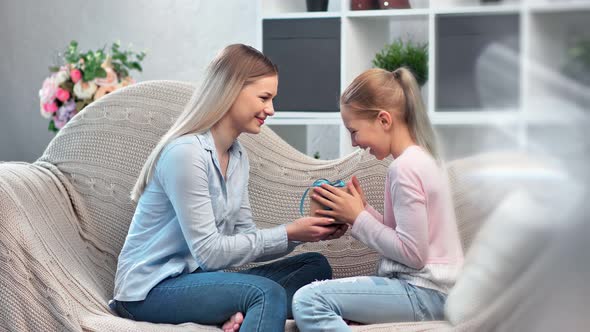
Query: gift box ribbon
(318, 183)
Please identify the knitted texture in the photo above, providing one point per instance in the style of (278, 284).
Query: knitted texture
(64, 218)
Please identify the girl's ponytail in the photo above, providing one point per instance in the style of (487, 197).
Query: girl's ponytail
(415, 113)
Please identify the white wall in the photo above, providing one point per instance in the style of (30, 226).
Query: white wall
(181, 37)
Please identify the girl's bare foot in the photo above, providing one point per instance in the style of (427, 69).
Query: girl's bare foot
(233, 323)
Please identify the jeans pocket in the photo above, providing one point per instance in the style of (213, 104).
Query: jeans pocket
(428, 303)
(415, 303)
(122, 311)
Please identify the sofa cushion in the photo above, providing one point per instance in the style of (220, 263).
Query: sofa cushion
(498, 271)
(479, 184)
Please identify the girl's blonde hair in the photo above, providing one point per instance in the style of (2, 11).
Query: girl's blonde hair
(378, 90)
(234, 67)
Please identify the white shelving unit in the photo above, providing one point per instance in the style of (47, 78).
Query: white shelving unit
(524, 63)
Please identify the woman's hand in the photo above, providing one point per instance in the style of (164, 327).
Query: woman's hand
(311, 229)
(340, 230)
(344, 207)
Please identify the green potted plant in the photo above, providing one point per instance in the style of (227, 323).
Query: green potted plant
(409, 54)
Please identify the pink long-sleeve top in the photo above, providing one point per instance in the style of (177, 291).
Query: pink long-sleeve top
(417, 235)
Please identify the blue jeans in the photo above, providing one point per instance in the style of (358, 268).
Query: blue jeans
(323, 306)
(262, 293)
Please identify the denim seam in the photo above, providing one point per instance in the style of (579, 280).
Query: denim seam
(362, 293)
(286, 267)
(411, 301)
(200, 284)
(315, 317)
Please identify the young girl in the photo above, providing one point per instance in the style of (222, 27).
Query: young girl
(416, 236)
(193, 217)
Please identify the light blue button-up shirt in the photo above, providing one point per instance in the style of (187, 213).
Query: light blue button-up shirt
(190, 216)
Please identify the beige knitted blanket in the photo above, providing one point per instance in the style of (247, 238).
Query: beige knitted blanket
(63, 219)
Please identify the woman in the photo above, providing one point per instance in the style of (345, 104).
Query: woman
(193, 217)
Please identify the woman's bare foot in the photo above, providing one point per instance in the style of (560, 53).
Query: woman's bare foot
(233, 323)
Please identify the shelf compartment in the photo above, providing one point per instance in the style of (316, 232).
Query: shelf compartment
(557, 85)
(365, 36)
(478, 62)
(307, 53)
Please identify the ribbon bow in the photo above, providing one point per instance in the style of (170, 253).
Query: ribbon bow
(318, 183)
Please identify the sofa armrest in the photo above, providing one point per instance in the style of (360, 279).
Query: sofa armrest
(43, 261)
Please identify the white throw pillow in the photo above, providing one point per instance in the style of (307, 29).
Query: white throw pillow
(508, 242)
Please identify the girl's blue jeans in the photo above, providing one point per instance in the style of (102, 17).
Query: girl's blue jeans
(263, 294)
(325, 305)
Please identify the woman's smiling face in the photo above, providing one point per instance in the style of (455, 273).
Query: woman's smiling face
(254, 104)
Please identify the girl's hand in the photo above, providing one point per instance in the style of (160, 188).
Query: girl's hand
(357, 186)
(311, 229)
(344, 206)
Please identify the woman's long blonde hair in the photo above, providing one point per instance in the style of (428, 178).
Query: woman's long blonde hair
(380, 90)
(234, 67)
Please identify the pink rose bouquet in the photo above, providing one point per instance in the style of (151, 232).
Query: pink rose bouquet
(83, 78)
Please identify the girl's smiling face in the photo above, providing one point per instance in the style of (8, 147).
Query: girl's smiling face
(367, 133)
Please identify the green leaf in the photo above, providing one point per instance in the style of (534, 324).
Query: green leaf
(136, 66)
(115, 46)
(100, 72)
(54, 69)
(118, 56)
(88, 76)
(72, 55)
(117, 68)
(52, 127)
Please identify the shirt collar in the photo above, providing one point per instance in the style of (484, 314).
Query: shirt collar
(208, 143)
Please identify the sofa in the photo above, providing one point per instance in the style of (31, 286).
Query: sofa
(64, 217)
